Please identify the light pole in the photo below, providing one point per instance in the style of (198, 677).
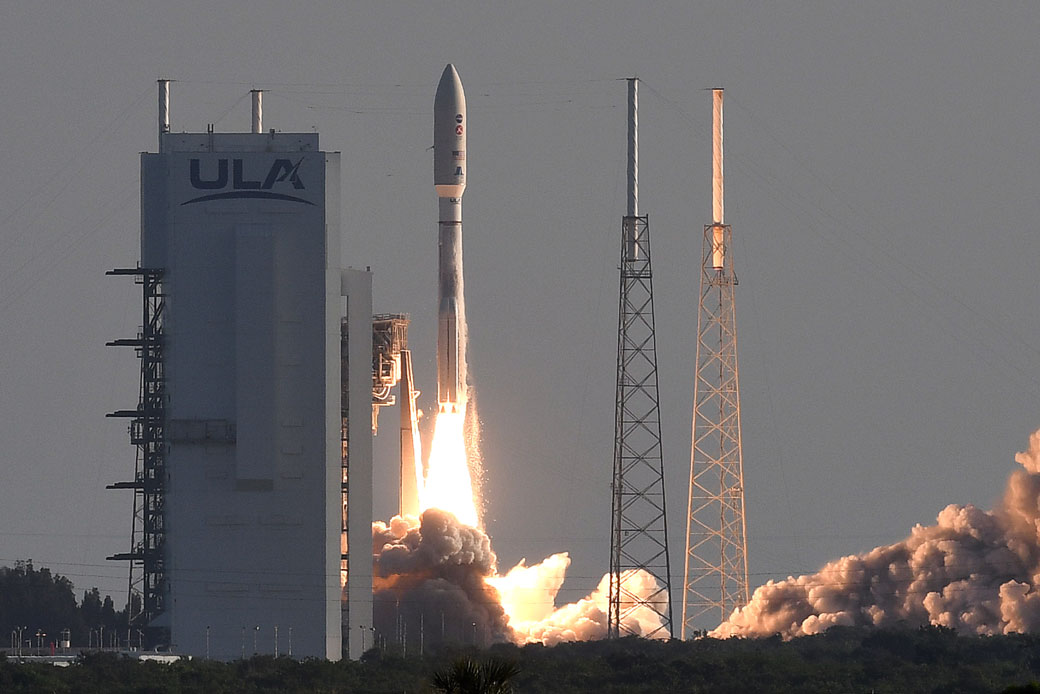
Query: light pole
(243, 643)
(101, 637)
(362, 628)
(474, 633)
(207, 642)
(256, 632)
(40, 633)
(275, 640)
(290, 642)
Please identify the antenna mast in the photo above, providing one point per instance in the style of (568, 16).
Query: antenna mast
(716, 573)
(638, 530)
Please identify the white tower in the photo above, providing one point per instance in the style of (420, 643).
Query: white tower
(716, 573)
(255, 414)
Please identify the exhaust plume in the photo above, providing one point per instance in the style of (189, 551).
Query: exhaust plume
(974, 571)
(429, 581)
(529, 596)
(436, 581)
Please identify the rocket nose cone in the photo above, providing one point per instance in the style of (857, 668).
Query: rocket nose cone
(449, 90)
(450, 126)
(449, 72)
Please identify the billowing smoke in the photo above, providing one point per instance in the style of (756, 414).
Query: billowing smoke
(436, 578)
(529, 596)
(429, 582)
(436, 581)
(974, 571)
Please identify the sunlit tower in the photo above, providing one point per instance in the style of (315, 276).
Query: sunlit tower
(716, 571)
(638, 530)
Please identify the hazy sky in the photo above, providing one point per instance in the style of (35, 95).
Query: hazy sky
(882, 167)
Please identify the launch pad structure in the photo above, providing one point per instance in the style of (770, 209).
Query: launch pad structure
(147, 577)
(715, 577)
(638, 528)
(392, 366)
(253, 482)
(263, 372)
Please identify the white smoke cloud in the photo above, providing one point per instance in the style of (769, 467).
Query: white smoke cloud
(438, 576)
(528, 593)
(535, 619)
(974, 571)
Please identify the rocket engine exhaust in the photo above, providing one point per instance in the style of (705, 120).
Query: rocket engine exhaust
(436, 576)
(449, 178)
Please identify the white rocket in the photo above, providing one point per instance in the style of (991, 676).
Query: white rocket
(449, 178)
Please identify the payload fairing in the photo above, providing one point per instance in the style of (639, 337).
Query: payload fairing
(449, 178)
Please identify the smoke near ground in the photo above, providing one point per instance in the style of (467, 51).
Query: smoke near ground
(529, 596)
(974, 571)
(429, 582)
(436, 580)
(436, 577)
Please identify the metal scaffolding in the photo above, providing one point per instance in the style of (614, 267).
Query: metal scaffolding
(638, 531)
(389, 339)
(344, 488)
(716, 566)
(147, 576)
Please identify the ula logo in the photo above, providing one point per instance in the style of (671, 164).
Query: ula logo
(282, 171)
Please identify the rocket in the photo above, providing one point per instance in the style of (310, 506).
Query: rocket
(449, 178)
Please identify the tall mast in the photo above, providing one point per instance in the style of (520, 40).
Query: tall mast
(716, 566)
(638, 530)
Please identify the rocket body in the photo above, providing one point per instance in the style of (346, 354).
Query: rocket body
(449, 178)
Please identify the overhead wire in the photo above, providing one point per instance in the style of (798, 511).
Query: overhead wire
(838, 234)
(925, 276)
(771, 412)
(73, 237)
(769, 179)
(75, 165)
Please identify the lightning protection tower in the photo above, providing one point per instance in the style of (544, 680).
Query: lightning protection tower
(716, 573)
(638, 531)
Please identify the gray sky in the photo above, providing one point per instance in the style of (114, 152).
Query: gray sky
(881, 183)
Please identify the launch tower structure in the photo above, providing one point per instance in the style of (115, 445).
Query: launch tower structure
(147, 577)
(638, 530)
(253, 428)
(392, 367)
(716, 567)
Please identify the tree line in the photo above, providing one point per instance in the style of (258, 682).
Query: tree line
(842, 659)
(908, 658)
(37, 607)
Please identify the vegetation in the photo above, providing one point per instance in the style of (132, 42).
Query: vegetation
(840, 660)
(846, 659)
(469, 676)
(35, 601)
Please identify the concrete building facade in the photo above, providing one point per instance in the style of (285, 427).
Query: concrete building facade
(245, 228)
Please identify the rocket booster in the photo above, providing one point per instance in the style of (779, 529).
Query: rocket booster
(449, 178)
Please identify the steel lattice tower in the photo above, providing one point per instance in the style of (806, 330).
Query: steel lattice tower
(638, 530)
(147, 579)
(716, 571)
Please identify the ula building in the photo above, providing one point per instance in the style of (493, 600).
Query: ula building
(252, 489)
